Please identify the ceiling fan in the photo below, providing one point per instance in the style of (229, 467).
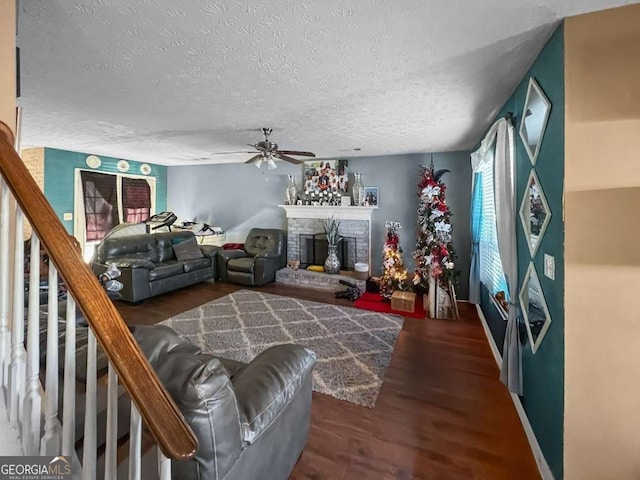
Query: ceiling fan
(268, 151)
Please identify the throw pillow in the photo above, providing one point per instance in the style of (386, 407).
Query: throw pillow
(187, 250)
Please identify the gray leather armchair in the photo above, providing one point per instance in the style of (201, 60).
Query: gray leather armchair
(251, 420)
(264, 253)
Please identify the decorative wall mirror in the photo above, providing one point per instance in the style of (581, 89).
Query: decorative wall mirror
(534, 308)
(534, 119)
(534, 213)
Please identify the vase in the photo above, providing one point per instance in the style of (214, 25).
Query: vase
(291, 191)
(358, 191)
(332, 263)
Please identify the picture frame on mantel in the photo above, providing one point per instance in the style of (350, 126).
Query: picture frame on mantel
(329, 175)
(371, 196)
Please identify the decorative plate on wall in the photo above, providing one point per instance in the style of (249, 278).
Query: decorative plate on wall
(123, 166)
(93, 161)
(145, 169)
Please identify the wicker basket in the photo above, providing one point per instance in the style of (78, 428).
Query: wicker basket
(403, 301)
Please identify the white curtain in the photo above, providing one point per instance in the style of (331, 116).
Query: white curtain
(505, 192)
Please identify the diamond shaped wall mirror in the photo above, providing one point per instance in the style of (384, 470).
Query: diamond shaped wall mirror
(534, 119)
(534, 213)
(534, 308)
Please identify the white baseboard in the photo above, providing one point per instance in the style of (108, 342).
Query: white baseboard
(543, 466)
(492, 343)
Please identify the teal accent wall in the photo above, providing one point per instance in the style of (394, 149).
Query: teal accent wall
(59, 174)
(543, 373)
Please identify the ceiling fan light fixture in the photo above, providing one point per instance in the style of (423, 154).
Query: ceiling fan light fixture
(258, 162)
(271, 164)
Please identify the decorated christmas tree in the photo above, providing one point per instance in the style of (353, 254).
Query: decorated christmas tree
(394, 275)
(434, 253)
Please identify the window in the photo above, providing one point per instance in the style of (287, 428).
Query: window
(136, 200)
(100, 204)
(105, 200)
(491, 271)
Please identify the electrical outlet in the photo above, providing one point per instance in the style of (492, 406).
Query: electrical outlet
(549, 267)
(67, 216)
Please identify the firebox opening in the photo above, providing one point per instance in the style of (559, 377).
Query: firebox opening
(314, 249)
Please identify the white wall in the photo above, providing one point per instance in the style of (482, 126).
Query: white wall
(602, 275)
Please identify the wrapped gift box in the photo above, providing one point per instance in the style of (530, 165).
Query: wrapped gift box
(403, 301)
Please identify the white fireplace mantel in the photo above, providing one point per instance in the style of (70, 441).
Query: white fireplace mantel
(339, 212)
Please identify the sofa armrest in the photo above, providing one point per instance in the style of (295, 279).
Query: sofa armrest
(229, 254)
(210, 250)
(223, 257)
(265, 268)
(265, 387)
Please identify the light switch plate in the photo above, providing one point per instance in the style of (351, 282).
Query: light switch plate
(67, 216)
(549, 267)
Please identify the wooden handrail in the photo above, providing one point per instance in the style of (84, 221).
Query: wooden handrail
(160, 413)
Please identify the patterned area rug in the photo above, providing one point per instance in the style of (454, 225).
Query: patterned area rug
(353, 346)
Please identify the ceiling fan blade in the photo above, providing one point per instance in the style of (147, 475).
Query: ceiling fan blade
(254, 158)
(294, 152)
(295, 161)
(229, 153)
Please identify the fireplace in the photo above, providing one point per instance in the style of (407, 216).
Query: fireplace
(314, 249)
(305, 244)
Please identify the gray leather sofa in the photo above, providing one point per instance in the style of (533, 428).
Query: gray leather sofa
(251, 421)
(149, 265)
(264, 253)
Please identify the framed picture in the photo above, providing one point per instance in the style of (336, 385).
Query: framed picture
(329, 175)
(371, 196)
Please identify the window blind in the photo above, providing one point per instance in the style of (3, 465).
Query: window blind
(491, 271)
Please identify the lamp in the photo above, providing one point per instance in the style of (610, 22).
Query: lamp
(258, 162)
(271, 164)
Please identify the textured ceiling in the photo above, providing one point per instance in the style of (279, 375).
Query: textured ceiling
(173, 81)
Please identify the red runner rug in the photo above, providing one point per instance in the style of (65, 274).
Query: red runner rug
(373, 302)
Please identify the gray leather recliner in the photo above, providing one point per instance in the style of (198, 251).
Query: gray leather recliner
(251, 421)
(264, 253)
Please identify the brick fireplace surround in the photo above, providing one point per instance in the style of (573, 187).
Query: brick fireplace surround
(303, 219)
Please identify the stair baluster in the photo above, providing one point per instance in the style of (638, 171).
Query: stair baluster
(69, 405)
(90, 422)
(111, 449)
(33, 400)
(17, 367)
(164, 466)
(50, 444)
(135, 443)
(5, 335)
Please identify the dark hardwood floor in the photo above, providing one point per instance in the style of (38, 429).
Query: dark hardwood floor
(442, 413)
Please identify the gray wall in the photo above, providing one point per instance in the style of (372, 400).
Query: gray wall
(238, 197)
(397, 176)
